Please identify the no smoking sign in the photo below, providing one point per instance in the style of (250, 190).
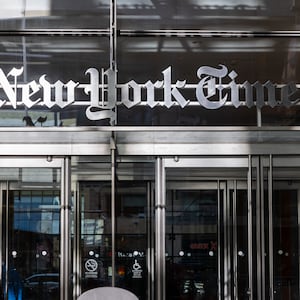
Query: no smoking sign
(91, 268)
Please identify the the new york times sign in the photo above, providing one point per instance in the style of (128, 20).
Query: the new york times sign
(215, 88)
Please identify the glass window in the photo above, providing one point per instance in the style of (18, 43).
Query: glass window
(191, 243)
(66, 14)
(157, 80)
(31, 236)
(251, 15)
(95, 234)
(133, 225)
(51, 68)
(91, 215)
(251, 73)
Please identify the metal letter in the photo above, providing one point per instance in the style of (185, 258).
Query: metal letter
(235, 99)
(286, 92)
(210, 84)
(9, 91)
(59, 99)
(98, 110)
(169, 91)
(46, 91)
(136, 94)
(150, 92)
(27, 91)
(248, 94)
(271, 93)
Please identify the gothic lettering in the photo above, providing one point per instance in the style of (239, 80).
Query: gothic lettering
(216, 87)
(101, 108)
(11, 92)
(29, 90)
(169, 91)
(207, 87)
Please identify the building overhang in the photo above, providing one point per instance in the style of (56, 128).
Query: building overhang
(153, 141)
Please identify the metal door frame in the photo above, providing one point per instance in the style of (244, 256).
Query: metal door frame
(268, 164)
(160, 210)
(65, 243)
(260, 177)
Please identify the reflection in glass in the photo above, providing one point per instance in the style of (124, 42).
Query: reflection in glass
(256, 15)
(67, 14)
(31, 220)
(44, 56)
(95, 199)
(276, 60)
(285, 246)
(131, 238)
(242, 243)
(191, 244)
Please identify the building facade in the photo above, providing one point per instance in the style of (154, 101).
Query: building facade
(152, 145)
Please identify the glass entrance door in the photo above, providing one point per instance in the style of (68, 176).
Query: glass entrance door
(205, 220)
(192, 242)
(282, 218)
(230, 228)
(31, 232)
(206, 235)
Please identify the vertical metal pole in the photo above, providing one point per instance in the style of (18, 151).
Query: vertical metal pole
(227, 269)
(62, 235)
(6, 243)
(152, 269)
(270, 201)
(113, 33)
(261, 230)
(6, 240)
(219, 244)
(229, 230)
(258, 231)
(250, 242)
(113, 44)
(298, 208)
(113, 66)
(1, 235)
(113, 209)
(24, 49)
(65, 249)
(234, 214)
(77, 248)
(67, 191)
(160, 211)
(150, 243)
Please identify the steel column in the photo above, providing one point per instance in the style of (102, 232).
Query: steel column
(65, 235)
(160, 212)
(271, 244)
(250, 240)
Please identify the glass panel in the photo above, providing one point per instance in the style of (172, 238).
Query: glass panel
(131, 238)
(242, 244)
(31, 220)
(286, 240)
(134, 226)
(95, 201)
(207, 234)
(256, 15)
(267, 83)
(245, 62)
(91, 215)
(31, 14)
(42, 59)
(192, 244)
(132, 234)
